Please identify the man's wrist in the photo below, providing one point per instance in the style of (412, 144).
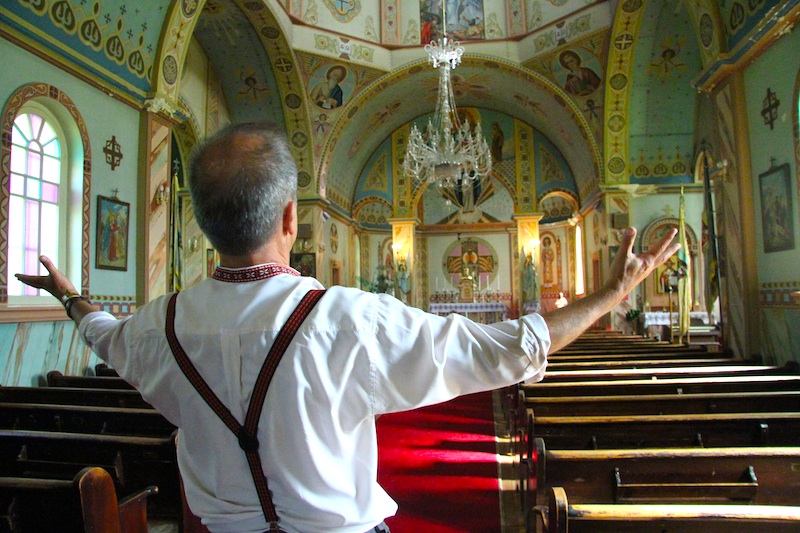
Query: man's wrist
(71, 300)
(67, 296)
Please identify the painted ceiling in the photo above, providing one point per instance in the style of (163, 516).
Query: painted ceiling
(270, 54)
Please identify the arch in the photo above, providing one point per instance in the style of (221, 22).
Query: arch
(64, 104)
(568, 198)
(384, 111)
(619, 73)
(655, 230)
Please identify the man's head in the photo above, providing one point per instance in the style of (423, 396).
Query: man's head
(241, 180)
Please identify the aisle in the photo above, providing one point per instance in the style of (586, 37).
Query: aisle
(440, 465)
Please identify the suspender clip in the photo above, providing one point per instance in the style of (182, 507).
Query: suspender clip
(247, 442)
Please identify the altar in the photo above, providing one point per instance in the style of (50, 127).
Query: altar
(657, 323)
(665, 318)
(482, 312)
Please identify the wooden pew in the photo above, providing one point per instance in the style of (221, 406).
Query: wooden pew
(123, 398)
(87, 503)
(518, 397)
(84, 419)
(658, 431)
(605, 364)
(103, 370)
(664, 386)
(655, 404)
(622, 355)
(134, 462)
(57, 379)
(610, 374)
(561, 516)
(760, 475)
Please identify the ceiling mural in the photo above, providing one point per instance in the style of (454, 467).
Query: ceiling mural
(346, 78)
(666, 60)
(233, 47)
(369, 120)
(116, 40)
(580, 70)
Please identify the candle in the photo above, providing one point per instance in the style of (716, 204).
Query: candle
(437, 284)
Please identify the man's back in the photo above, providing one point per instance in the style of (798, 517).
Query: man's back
(357, 355)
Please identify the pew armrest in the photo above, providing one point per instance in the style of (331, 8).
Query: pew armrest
(133, 511)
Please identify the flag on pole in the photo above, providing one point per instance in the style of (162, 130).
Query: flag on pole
(684, 276)
(709, 243)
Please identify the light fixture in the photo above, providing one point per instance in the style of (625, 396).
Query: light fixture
(450, 153)
(398, 255)
(532, 250)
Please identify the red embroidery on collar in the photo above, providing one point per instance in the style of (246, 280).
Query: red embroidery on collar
(255, 273)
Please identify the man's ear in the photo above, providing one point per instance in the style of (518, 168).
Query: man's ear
(289, 226)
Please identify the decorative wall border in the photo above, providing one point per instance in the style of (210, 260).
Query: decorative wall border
(119, 306)
(12, 108)
(779, 294)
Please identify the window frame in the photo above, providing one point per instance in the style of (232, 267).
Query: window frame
(65, 188)
(62, 114)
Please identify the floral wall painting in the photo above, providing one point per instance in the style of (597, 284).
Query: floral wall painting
(777, 214)
(578, 72)
(112, 233)
(331, 85)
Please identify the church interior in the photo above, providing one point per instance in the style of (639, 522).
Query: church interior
(597, 115)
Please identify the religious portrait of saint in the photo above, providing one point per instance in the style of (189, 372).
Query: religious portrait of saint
(112, 233)
(465, 19)
(580, 81)
(431, 27)
(328, 94)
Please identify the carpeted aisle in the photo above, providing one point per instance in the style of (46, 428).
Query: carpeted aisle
(440, 465)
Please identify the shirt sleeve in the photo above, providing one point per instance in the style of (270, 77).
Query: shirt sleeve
(105, 335)
(431, 359)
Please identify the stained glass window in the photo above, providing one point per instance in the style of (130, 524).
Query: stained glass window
(35, 190)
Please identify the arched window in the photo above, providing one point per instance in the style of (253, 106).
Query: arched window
(38, 189)
(45, 179)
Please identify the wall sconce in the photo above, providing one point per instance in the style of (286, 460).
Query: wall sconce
(194, 244)
(399, 258)
(722, 169)
(532, 250)
(162, 191)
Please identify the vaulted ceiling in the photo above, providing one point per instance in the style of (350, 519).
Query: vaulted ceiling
(266, 54)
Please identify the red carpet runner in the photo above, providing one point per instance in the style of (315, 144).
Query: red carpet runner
(439, 463)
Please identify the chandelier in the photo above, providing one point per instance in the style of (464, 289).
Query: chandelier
(449, 154)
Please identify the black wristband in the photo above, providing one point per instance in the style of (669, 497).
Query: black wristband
(69, 302)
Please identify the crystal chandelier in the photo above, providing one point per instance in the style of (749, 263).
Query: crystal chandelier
(450, 153)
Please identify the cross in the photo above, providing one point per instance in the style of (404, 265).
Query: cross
(283, 64)
(113, 152)
(770, 109)
(624, 41)
(483, 264)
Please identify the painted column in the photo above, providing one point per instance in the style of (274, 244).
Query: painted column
(153, 217)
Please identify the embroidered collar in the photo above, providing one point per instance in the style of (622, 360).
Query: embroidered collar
(253, 273)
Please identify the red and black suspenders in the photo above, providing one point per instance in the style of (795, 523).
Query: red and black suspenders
(247, 433)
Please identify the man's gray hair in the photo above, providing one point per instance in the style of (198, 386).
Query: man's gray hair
(241, 179)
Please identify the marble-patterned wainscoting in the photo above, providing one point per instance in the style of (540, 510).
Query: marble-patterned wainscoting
(780, 335)
(28, 351)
